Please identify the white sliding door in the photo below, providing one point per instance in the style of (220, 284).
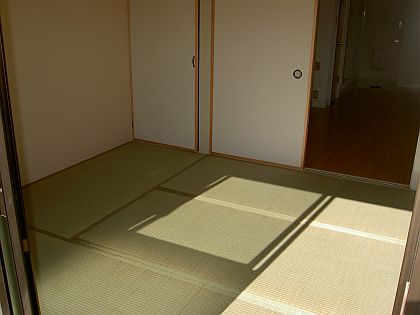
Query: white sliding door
(164, 39)
(259, 107)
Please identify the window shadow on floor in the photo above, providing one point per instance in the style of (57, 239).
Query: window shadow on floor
(216, 225)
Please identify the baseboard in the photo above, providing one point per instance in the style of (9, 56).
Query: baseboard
(358, 179)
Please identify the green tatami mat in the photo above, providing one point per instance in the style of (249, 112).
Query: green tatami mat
(269, 259)
(70, 201)
(210, 302)
(208, 241)
(73, 280)
(332, 273)
(356, 206)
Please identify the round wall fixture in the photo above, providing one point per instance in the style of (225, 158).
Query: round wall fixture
(297, 74)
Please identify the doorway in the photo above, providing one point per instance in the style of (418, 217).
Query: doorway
(365, 121)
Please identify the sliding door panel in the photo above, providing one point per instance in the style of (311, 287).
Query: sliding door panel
(164, 66)
(259, 107)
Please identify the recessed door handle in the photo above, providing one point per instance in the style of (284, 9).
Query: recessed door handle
(193, 61)
(297, 74)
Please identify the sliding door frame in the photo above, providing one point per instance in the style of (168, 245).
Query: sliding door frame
(311, 83)
(13, 213)
(197, 75)
(5, 300)
(409, 281)
(308, 101)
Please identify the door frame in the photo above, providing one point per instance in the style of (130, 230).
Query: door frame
(13, 213)
(411, 301)
(333, 62)
(343, 20)
(5, 304)
(308, 101)
(409, 281)
(197, 75)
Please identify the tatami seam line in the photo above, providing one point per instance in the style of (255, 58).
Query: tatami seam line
(285, 217)
(202, 283)
(119, 209)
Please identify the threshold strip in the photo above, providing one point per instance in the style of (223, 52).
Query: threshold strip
(289, 218)
(271, 305)
(358, 178)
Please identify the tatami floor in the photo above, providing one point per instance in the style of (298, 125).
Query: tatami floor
(144, 229)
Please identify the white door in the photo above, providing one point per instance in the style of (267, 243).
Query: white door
(163, 34)
(259, 107)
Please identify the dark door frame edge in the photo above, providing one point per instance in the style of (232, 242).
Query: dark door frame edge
(408, 282)
(12, 191)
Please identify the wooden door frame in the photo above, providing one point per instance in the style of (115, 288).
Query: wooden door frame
(308, 102)
(411, 301)
(311, 83)
(196, 59)
(13, 213)
(333, 60)
(409, 280)
(342, 60)
(5, 305)
(337, 8)
(197, 75)
(213, 16)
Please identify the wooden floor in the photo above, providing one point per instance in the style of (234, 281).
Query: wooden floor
(367, 133)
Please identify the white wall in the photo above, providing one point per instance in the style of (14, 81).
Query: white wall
(415, 179)
(325, 50)
(69, 71)
(355, 30)
(380, 29)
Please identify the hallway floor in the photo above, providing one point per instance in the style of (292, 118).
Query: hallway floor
(367, 133)
(144, 229)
